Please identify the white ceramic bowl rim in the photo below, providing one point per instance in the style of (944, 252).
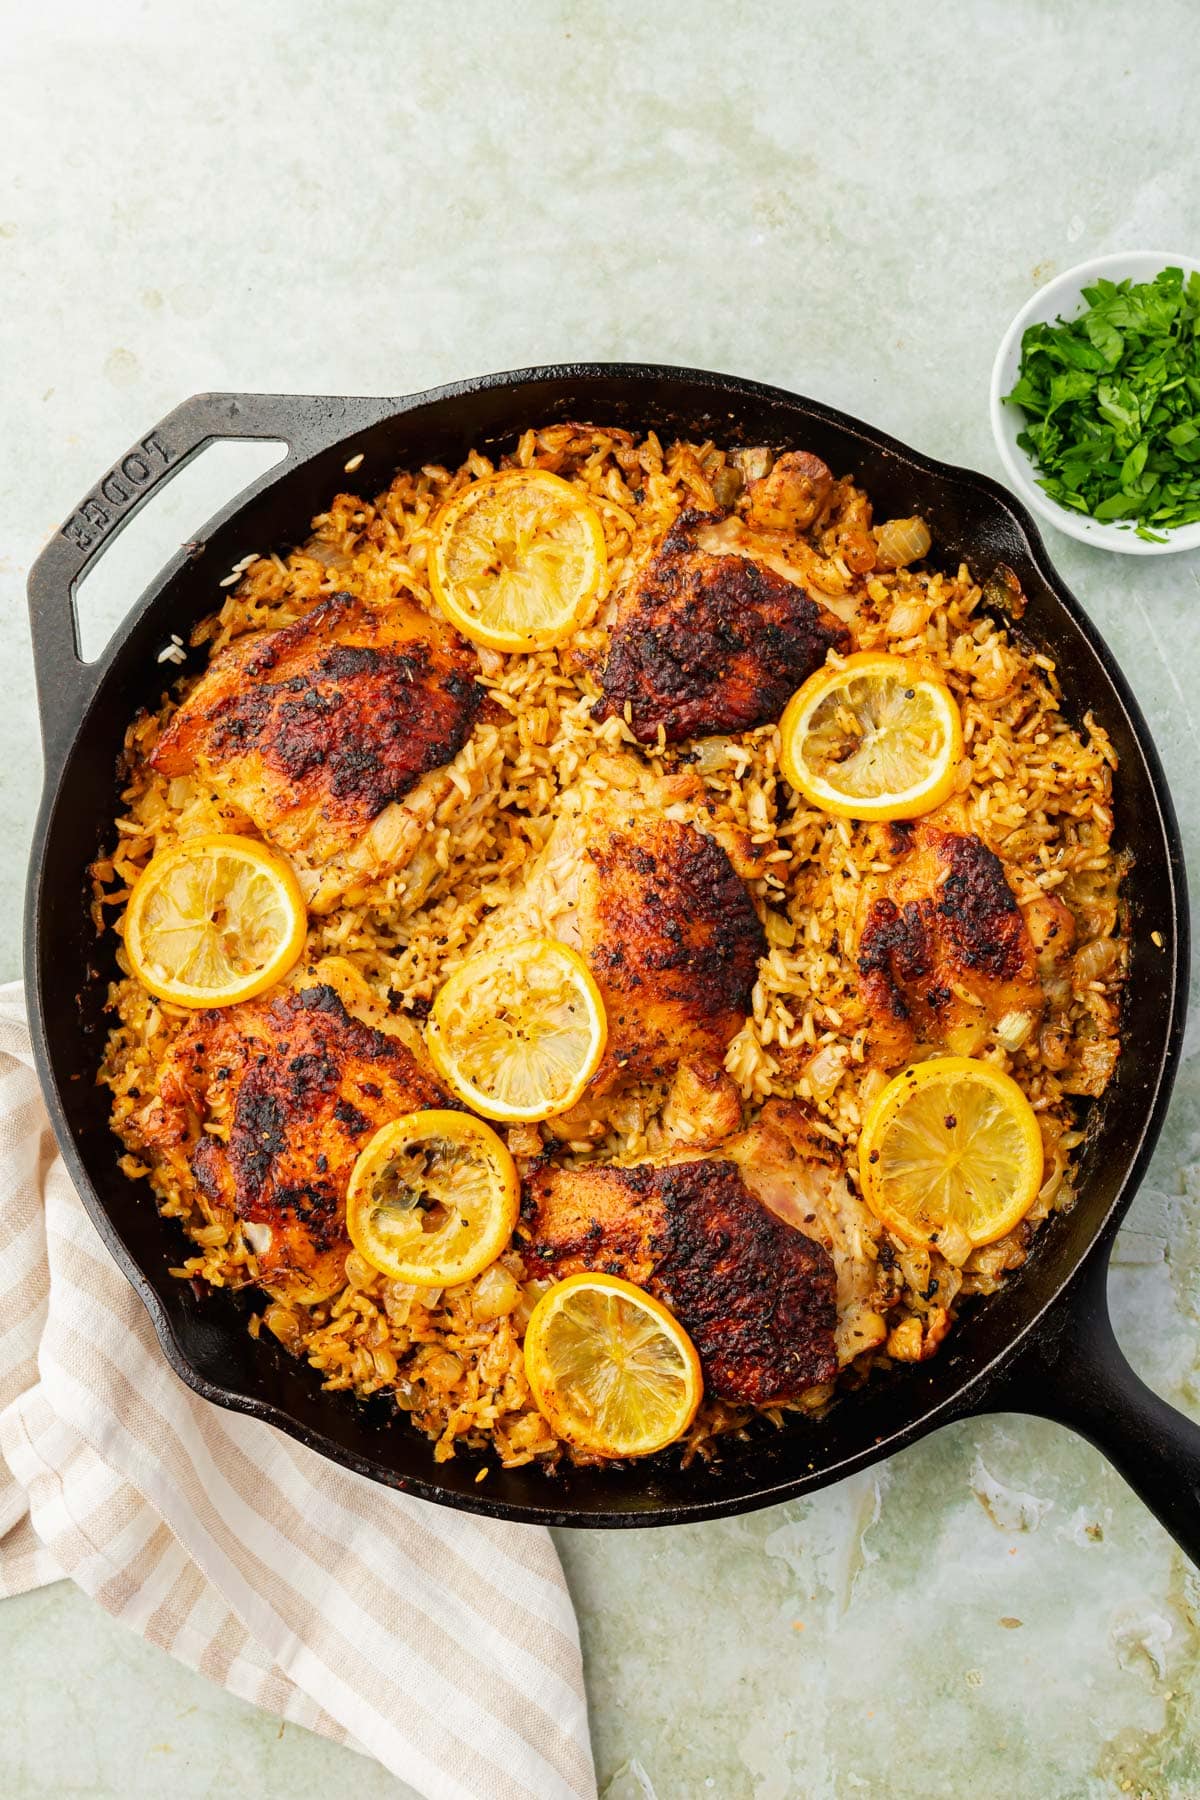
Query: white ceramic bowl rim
(1062, 296)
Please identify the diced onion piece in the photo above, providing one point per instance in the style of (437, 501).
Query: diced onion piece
(258, 1235)
(283, 1324)
(900, 542)
(727, 485)
(442, 1371)
(754, 463)
(711, 754)
(359, 1272)
(908, 618)
(496, 1293)
(1094, 960)
(1093, 1070)
(824, 1070)
(1013, 1030)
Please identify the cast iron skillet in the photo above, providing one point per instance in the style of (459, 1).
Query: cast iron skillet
(1042, 1345)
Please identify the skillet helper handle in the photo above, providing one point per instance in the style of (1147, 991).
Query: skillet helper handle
(1076, 1373)
(65, 682)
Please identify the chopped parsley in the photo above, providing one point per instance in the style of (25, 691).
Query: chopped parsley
(1112, 404)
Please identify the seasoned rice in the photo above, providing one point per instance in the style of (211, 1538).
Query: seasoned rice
(1037, 790)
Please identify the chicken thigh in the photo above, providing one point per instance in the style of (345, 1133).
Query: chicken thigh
(944, 952)
(711, 640)
(656, 909)
(265, 1106)
(755, 1296)
(326, 733)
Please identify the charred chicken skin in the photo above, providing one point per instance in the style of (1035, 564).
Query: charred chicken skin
(265, 1107)
(673, 939)
(315, 729)
(756, 1297)
(796, 1174)
(707, 642)
(944, 950)
(657, 911)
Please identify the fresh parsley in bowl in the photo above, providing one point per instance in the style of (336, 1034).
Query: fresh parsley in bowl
(1096, 402)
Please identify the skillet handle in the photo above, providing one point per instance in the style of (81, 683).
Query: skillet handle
(65, 682)
(1075, 1373)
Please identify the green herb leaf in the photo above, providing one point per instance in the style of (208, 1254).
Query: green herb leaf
(1105, 337)
(1111, 403)
(1134, 463)
(1117, 506)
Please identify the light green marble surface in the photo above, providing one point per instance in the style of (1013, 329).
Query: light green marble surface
(852, 201)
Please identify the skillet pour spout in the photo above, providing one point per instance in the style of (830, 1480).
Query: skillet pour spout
(1042, 1344)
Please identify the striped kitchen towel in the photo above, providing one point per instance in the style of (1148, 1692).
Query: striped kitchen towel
(443, 1645)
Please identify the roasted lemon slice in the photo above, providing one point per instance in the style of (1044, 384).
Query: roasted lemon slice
(950, 1154)
(518, 1033)
(432, 1199)
(873, 737)
(214, 920)
(610, 1368)
(518, 560)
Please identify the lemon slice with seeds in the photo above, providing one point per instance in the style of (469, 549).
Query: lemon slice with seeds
(873, 737)
(611, 1370)
(214, 920)
(518, 1033)
(433, 1198)
(518, 560)
(951, 1154)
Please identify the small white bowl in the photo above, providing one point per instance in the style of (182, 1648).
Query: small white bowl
(1064, 297)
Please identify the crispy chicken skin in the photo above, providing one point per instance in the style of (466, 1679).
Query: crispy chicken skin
(672, 937)
(793, 1171)
(706, 643)
(314, 729)
(265, 1107)
(944, 951)
(755, 1297)
(657, 911)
